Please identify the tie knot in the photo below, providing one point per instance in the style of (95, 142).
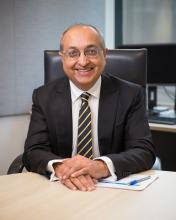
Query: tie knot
(85, 96)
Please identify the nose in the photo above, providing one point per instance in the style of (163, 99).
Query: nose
(82, 60)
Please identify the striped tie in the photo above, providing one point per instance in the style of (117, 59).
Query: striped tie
(84, 146)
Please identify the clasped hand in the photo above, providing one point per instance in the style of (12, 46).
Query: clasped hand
(80, 173)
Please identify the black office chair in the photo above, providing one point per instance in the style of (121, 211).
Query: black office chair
(128, 64)
(16, 166)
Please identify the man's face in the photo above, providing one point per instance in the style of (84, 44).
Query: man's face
(80, 63)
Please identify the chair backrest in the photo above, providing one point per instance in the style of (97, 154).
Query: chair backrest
(128, 64)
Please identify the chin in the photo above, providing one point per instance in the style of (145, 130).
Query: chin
(84, 85)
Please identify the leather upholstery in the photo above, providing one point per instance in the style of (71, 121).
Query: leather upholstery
(128, 64)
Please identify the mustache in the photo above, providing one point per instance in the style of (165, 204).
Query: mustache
(85, 68)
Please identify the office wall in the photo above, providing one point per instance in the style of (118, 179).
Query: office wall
(13, 132)
(28, 27)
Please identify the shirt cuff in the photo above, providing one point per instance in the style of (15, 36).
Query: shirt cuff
(110, 166)
(51, 169)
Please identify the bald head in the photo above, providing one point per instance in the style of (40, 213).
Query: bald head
(77, 27)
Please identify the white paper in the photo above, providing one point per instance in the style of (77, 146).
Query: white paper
(124, 183)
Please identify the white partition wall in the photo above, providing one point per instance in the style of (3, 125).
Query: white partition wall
(27, 28)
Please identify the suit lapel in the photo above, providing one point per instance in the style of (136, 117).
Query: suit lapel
(62, 112)
(107, 113)
(63, 117)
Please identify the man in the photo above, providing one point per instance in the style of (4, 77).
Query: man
(82, 138)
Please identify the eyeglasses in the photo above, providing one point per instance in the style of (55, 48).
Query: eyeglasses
(91, 52)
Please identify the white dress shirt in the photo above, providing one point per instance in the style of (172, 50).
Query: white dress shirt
(94, 106)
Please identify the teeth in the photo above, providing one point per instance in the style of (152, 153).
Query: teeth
(84, 70)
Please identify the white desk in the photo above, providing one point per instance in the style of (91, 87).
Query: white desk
(29, 196)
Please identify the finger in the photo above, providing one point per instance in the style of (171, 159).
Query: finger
(94, 180)
(65, 173)
(83, 171)
(73, 168)
(68, 172)
(78, 183)
(61, 170)
(69, 184)
(87, 182)
(90, 181)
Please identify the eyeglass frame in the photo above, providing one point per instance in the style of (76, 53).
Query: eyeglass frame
(98, 50)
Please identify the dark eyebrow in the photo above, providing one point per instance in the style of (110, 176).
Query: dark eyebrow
(92, 45)
(89, 46)
(74, 48)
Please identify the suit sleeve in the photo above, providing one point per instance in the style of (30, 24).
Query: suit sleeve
(137, 150)
(38, 152)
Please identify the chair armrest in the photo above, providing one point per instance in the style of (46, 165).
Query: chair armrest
(16, 166)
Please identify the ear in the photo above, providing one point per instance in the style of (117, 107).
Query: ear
(105, 51)
(61, 55)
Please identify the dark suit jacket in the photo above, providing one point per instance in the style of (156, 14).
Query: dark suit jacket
(123, 130)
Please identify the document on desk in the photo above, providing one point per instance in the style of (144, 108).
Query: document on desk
(132, 182)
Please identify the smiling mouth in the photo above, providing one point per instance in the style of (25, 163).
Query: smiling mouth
(84, 70)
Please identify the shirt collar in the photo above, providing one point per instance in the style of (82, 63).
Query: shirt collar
(94, 90)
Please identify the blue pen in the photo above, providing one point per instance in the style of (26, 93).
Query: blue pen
(131, 183)
(134, 182)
